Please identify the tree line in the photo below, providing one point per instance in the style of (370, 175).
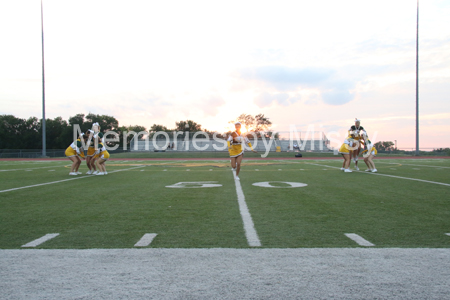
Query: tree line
(18, 133)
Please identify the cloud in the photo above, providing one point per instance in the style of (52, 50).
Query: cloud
(287, 81)
(337, 97)
(266, 99)
(284, 78)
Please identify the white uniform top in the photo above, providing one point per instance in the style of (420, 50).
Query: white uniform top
(75, 147)
(239, 139)
(349, 141)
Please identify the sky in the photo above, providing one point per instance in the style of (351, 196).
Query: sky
(304, 64)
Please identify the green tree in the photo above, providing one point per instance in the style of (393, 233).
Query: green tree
(188, 125)
(16, 133)
(126, 131)
(262, 123)
(32, 134)
(247, 121)
(157, 127)
(77, 119)
(106, 122)
(384, 146)
(58, 133)
(259, 124)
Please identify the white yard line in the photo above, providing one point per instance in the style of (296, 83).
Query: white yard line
(26, 169)
(146, 240)
(52, 182)
(359, 240)
(249, 227)
(40, 240)
(387, 175)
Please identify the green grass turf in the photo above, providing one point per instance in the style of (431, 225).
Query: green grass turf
(116, 210)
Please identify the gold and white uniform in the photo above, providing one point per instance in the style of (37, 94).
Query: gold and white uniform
(349, 144)
(102, 152)
(235, 141)
(91, 149)
(75, 149)
(373, 151)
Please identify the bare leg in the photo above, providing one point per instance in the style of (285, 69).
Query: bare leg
(93, 159)
(347, 160)
(356, 155)
(238, 163)
(371, 162)
(75, 161)
(233, 162)
(88, 162)
(366, 160)
(102, 163)
(78, 165)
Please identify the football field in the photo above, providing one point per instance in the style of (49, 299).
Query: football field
(187, 229)
(198, 204)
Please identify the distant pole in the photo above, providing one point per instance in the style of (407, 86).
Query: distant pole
(44, 150)
(417, 81)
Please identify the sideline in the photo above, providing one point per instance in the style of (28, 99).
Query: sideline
(303, 273)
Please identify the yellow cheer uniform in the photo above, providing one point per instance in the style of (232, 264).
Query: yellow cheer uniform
(347, 146)
(91, 150)
(234, 142)
(75, 149)
(373, 151)
(102, 152)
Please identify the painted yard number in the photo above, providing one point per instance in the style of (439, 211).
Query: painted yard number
(208, 184)
(194, 184)
(279, 184)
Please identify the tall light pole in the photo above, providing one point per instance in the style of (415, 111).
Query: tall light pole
(44, 150)
(417, 81)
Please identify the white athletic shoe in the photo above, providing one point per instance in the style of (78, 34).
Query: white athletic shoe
(79, 173)
(89, 172)
(368, 170)
(100, 173)
(356, 168)
(374, 171)
(95, 172)
(342, 169)
(347, 171)
(106, 173)
(237, 178)
(73, 173)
